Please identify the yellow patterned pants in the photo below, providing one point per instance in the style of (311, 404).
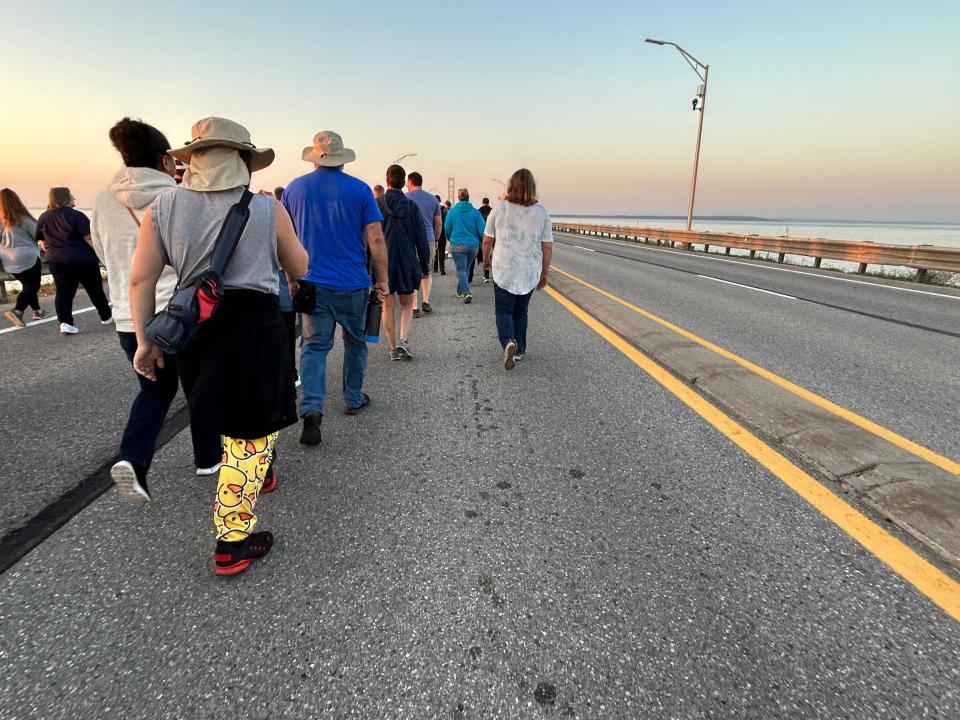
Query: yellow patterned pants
(245, 465)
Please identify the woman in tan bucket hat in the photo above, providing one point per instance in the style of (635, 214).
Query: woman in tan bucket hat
(238, 380)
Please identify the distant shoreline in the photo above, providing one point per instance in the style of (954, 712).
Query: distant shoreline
(750, 218)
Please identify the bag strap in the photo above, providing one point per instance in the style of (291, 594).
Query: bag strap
(230, 232)
(133, 215)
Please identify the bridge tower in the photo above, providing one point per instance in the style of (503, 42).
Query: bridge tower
(451, 190)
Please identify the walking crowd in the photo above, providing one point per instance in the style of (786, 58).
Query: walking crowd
(207, 280)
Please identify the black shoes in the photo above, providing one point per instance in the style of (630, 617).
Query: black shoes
(416, 312)
(426, 307)
(131, 481)
(311, 428)
(231, 558)
(361, 407)
(403, 350)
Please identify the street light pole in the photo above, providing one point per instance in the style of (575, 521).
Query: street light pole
(703, 72)
(397, 161)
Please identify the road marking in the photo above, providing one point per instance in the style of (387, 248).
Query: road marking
(932, 582)
(861, 422)
(583, 248)
(748, 287)
(767, 266)
(52, 318)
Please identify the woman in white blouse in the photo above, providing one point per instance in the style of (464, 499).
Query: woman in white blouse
(518, 247)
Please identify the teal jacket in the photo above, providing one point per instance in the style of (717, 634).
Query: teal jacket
(464, 225)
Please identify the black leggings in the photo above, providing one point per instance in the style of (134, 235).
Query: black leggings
(30, 279)
(68, 277)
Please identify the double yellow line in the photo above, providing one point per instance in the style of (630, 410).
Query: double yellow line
(925, 577)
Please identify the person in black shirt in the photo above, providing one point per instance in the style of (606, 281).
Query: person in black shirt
(485, 211)
(440, 258)
(64, 235)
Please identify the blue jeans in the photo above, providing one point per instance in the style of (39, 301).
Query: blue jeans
(511, 313)
(149, 410)
(463, 257)
(349, 310)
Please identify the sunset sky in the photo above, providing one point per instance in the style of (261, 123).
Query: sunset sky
(815, 109)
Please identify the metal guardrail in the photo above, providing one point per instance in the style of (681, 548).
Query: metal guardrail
(923, 258)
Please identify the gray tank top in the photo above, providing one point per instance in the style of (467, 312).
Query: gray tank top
(186, 224)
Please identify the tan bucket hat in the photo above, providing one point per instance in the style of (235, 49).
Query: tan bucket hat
(328, 150)
(220, 132)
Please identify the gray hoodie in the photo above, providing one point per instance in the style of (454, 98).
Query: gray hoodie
(114, 235)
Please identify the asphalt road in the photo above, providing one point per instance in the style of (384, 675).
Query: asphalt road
(566, 540)
(884, 351)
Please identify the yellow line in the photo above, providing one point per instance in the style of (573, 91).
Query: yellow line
(901, 442)
(932, 582)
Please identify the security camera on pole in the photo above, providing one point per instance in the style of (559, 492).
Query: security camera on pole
(702, 72)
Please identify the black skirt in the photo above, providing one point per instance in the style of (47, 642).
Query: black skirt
(237, 374)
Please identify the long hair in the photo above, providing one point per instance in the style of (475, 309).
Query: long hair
(59, 197)
(12, 209)
(522, 188)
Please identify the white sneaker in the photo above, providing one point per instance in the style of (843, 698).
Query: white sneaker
(68, 329)
(298, 383)
(108, 321)
(204, 472)
(131, 488)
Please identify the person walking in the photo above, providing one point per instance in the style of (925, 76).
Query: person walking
(485, 210)
(440, 256)
(287, 312)
(518, 247)
(20, 255)
(63, 233)
(378, 191)
(236, 382)
(464, 226)
(337, 220)
(408, 259)
(114, 227)
(430, 210)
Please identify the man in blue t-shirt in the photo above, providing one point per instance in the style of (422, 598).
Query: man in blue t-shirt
(338, 222)
(430, 210)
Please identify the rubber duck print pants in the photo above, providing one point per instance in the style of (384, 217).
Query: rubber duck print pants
(245, 465)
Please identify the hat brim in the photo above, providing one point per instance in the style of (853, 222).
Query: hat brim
(311, 156)
(259, 157)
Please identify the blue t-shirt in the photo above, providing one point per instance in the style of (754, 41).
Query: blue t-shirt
(329, 210)
(429, 207)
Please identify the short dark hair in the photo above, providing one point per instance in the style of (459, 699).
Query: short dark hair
(463, 194)
(139, 144)
(396, 176)
(416, 179)
(486, 201)
(437, 197)
(278, 192)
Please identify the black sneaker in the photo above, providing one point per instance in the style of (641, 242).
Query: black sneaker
(468, 298)
(231, 558)
(426, 307)
(509, 351)
(359, 408)
(311, 428)
(395, 354)
(416, 312)
(131, 482)
(404, 350)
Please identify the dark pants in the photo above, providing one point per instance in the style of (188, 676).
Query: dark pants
(511, 317)
(30, 279)
(478, 261)
(440, 257)
(290, 321)
(68, 277)
(149, 410)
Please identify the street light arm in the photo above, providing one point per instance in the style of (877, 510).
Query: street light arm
(691, 60)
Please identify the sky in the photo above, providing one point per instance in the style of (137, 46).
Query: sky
(814, 109)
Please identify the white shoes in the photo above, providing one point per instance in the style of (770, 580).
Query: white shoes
(108, 321)
(204, 472)
(68, 329)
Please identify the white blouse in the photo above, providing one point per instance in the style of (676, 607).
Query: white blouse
(519, 232)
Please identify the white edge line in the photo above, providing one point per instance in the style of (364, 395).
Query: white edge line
(45, 320)
(763, 266)
(585, 248)
(748, 287)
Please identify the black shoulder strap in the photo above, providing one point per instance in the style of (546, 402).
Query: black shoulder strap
(230, 232)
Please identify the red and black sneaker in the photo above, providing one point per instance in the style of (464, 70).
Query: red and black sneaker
(269, 482)
(235, 557)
